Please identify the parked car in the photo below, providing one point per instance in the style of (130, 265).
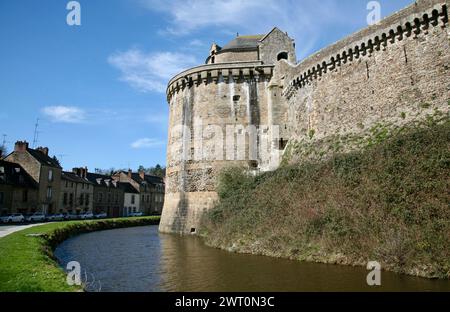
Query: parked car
(13, 218)
(56, 217)
(136, 214)
(86, 215)
(36, 217)
(70, 216)
(102, 215)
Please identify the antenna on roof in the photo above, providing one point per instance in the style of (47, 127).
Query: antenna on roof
(4, 140)
(36, 133)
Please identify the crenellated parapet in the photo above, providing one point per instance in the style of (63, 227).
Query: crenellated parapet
(213, 73)
(408, 23)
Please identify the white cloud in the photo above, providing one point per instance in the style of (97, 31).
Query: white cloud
(65, 114)
(305, 21)
(146, 143)
(150, 71)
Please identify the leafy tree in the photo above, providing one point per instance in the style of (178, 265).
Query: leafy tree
(157, 170)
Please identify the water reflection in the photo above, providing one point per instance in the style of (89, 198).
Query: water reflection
(141, 259)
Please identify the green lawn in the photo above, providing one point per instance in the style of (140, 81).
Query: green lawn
(27, 263)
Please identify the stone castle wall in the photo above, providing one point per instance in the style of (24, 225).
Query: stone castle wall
(209, 97)
(391, 73)
(395, 71)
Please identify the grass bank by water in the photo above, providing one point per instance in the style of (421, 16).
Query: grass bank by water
(27, 263)
(388, 203)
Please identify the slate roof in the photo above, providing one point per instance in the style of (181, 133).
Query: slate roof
(43, 159)
(147, 178)
(70, 176)
(14, 174)
(95, 178)
(128, 188)
(243, 43)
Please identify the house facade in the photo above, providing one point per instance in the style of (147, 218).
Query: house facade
(150, 188)
(77, 192)
(45, 172)
(131, 201)
(18, 190)
(108, 197)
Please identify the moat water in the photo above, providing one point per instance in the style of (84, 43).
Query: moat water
(141, 259)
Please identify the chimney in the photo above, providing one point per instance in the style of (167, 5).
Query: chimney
(21, 146)
(81, 172)
(43, 150)
(129, 173)
(142, 174)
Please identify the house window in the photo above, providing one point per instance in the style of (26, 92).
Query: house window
(87, 200)
(100, 197)
(2, 197)
(25, 196)
(132, 199)
(49, 192)
(81, 200)
(65, 198)
(71, 199)
(50, 175)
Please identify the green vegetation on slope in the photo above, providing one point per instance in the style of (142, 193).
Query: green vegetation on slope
(27, 262)
(388, 202)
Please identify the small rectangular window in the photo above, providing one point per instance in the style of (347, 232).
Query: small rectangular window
(49, 193)
(50, 175)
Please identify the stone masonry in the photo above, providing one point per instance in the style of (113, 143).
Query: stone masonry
(392, 72)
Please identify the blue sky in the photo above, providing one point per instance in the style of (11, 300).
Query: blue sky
(98, 88)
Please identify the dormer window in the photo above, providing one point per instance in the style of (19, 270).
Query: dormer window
(50, 175)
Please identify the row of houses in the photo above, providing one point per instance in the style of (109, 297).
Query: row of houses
(32, 181)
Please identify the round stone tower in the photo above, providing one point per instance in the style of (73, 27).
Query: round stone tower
(226, 112)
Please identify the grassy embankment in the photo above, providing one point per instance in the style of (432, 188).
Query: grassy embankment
(387, 202)
(27, 262)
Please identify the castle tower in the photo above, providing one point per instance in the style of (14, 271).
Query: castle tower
(224, 113)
